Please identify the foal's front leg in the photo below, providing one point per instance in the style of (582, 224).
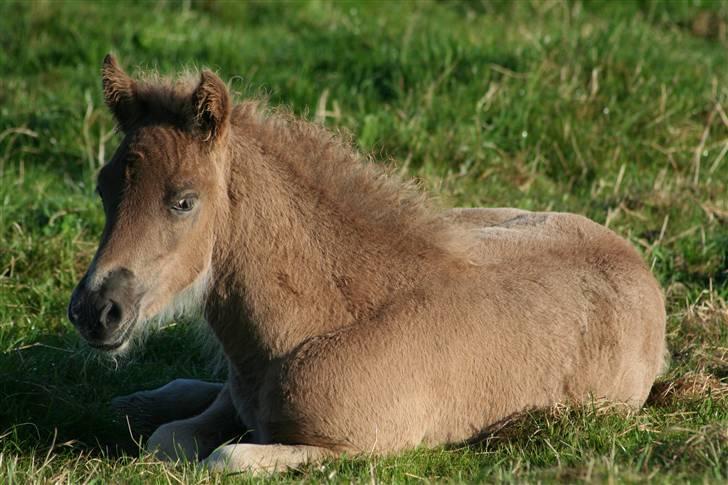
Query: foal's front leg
(196, 437)
(179, 399)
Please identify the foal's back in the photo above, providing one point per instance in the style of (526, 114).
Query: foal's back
(555, 308)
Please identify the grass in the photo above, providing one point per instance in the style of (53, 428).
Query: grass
(615, 110)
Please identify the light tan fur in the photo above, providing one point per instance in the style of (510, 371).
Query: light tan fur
(355, 316)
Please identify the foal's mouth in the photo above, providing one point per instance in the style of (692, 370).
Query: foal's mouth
(108, 347)
(124, 336)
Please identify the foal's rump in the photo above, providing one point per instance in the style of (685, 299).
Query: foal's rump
(606, 298)
(562, 310)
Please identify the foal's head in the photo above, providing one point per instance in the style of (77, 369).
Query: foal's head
(163, 192)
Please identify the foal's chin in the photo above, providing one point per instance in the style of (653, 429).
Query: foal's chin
(112, 350)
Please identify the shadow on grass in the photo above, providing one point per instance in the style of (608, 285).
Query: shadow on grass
(53, 394)
(55, 391)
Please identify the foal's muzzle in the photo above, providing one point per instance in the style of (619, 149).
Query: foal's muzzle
(105, 315)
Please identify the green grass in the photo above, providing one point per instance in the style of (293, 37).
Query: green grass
(615, 110)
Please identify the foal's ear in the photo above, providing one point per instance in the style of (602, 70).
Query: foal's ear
(119, 93)
(211, 106)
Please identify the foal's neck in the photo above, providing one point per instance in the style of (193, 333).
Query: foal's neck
(297, 262)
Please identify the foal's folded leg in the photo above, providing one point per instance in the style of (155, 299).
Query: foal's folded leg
(195, 438)
(179, 399)
(263, 459)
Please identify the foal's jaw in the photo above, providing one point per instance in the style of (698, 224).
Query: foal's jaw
(187, 302)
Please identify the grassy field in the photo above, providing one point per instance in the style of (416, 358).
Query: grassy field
(615, 110)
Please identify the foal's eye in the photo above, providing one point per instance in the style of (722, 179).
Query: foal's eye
(184, 204)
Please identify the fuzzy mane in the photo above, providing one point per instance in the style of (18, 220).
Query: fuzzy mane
(370, 193)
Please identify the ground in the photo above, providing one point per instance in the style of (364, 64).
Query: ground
(614, 110)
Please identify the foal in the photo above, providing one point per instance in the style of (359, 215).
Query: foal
(353, 316)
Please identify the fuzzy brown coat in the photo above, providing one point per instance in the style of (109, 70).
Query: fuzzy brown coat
(355, 316)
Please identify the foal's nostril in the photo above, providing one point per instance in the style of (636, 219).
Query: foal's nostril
(110, 315)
